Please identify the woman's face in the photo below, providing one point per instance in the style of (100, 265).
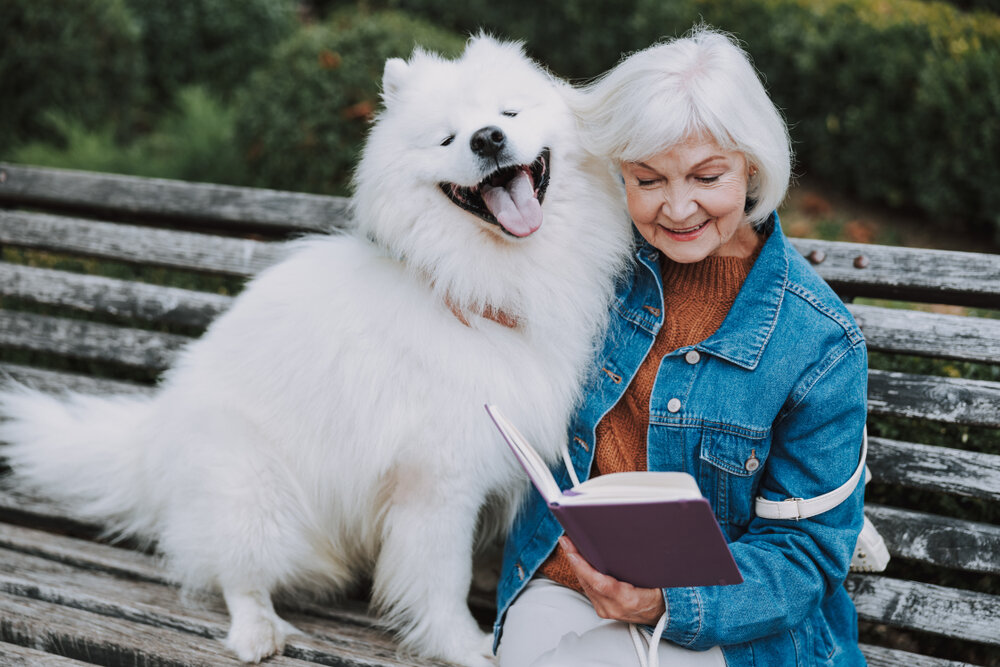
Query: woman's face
(688, 201)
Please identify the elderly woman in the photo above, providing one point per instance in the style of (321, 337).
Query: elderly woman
(727, 357)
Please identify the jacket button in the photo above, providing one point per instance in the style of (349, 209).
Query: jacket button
(673, 405)
(692, 357)
(752, 463)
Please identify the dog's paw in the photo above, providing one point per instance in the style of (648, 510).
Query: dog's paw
(254, 639)
(480, 655)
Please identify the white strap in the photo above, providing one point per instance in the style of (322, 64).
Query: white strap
(803, 508)
(568, 462)
(648, 651)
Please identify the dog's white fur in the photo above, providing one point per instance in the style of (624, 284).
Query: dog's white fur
(331, 422)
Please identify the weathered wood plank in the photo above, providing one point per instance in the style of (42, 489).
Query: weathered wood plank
(147, 604)
(909, 274)
(92, 341)
(106, 640)
(879, 656)
(12, 655)
(942, 469)
(943, 399)
(110, 296)
(239, 206)
(56, 381)
(142, 245)
(84, 554)
(930, 608)
(929, 334)
(938, 540)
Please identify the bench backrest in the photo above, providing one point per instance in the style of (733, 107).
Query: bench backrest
(80, 329)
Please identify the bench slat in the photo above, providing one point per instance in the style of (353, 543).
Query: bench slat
(12, 655)
(943, 399)
(106, 640)
(92, 341)
(929, 334)
(110, 296)
(938, 540)
(927, 607)
(142, 245)
(943, 469)
(56, 381)
(238, 206)
(879, 656)
(909, 274)
(157, 607)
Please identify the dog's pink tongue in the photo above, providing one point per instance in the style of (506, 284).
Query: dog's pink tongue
(515, 206)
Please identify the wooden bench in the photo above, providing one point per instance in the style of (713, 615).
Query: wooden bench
(67, 596)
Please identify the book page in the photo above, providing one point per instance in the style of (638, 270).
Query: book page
(530, 460)
(640, 486)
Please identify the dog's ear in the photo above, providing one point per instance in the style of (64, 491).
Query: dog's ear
(393, 77)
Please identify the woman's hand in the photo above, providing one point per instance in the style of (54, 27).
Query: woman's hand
(612, 598)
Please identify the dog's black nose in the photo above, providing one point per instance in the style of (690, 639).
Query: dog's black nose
(488, 141)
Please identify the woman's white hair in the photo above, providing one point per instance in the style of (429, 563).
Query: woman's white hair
(702, 83)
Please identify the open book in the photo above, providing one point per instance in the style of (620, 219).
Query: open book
(650, 529)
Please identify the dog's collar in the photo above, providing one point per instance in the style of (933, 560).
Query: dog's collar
(489, 312)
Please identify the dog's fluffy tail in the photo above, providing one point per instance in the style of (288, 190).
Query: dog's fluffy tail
(80, 449)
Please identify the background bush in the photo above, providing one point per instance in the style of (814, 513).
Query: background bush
(192, 141)
(217, 43)
(302, 118)
(78, 57)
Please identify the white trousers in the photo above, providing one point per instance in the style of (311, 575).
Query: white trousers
(550, 625)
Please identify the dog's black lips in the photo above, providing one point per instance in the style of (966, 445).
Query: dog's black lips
(471, 199)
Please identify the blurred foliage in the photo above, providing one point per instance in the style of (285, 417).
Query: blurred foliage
(79, 57)
(302, 118)
(212, 42)
(193, 141)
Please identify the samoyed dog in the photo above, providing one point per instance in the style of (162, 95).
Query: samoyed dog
(330, 425)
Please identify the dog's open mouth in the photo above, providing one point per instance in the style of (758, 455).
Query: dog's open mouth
(510, 197)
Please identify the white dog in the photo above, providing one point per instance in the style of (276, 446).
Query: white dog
(331, 423)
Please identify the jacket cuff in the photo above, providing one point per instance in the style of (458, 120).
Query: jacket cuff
(684, 615)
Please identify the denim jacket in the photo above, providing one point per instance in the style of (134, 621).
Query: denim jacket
(771, 404)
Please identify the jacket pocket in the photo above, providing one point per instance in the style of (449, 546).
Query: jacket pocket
(824, 644)
(731, 465)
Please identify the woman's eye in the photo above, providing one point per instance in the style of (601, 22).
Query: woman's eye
(645, 183)
(450, 138)
(706, 179)
(510, 114)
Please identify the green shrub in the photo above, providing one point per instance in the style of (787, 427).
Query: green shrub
(212, 42)
(302, 118)
(575, 38)
(193, 142)
(80, 58)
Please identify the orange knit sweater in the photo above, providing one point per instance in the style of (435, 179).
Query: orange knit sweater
(696, 299)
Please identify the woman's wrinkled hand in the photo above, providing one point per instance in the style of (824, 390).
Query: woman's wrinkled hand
(612, 598)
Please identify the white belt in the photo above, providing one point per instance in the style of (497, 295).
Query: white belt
(803, 508)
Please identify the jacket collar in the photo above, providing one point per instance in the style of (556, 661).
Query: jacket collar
(747, 328)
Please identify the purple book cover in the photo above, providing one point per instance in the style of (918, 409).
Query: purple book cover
(656, 544)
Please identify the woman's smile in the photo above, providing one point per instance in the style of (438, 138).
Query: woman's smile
(688, 233)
